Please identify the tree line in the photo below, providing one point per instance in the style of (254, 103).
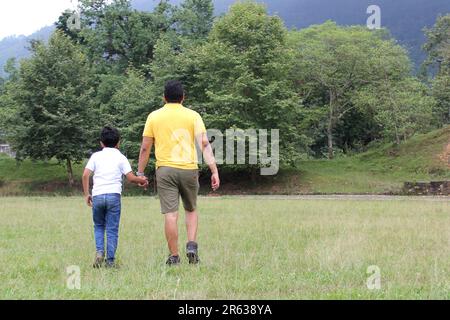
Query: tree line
(329, 89)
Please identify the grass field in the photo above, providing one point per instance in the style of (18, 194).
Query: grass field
(250, 249)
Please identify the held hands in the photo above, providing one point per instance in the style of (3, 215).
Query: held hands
(142, 182)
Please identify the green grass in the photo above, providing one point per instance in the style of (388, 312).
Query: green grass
(250, 249)
(380, 170)
(33, 177)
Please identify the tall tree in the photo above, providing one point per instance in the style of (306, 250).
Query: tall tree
(402, 108)
(195, 18)
(53, 118)
(7, 104)
(239, 77)
(438, 44)
(334, 62)
(116, 36)
(438, 49)
(441, 92)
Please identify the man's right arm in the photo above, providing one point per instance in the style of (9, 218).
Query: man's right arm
(146, 147)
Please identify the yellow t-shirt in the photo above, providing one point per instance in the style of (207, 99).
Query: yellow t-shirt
(174, 129)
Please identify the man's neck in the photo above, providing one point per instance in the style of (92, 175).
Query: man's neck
(173, 104)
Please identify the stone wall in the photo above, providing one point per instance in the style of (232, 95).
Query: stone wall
(440, 188)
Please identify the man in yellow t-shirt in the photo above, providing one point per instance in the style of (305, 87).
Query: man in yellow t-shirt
(173, 130)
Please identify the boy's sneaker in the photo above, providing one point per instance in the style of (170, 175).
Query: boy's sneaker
(192, 252)
(99, 259)
(173, 260)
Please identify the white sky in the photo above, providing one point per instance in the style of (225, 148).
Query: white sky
(23, 17)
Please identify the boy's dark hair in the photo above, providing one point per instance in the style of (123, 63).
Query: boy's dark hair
(173, 91)
(110, 137)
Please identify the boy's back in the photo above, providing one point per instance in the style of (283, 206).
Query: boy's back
(109, 166)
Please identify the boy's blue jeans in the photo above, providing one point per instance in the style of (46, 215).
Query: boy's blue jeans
(106, 210)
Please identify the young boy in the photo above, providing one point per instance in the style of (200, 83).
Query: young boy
(108, 166)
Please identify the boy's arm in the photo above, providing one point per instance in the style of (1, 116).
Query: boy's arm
(86, 175)
(146, 147)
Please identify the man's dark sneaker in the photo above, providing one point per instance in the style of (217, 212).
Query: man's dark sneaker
(192, 252)
(173, 260)
(110, 264)
(99, 259)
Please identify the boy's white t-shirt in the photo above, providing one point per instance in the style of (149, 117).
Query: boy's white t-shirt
(109, 166)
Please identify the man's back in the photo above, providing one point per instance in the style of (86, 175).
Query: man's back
(174, 129)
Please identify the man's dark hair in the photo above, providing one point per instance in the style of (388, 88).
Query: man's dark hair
(110, 137)
(173, 91)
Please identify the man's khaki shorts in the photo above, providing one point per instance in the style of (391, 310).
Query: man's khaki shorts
(172, 183)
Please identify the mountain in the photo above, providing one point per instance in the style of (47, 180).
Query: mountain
(16, 46)
(406, 19)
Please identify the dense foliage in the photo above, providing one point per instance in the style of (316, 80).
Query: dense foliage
(328, 89)
(438, 48)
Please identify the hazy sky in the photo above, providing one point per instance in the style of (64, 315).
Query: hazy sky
(19, 17)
